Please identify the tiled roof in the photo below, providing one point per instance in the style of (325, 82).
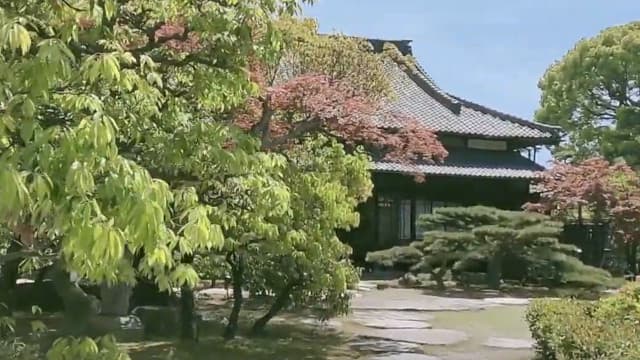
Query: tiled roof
(439, 112)
(418, 96)
(475, 163)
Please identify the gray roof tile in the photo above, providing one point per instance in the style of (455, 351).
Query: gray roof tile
(418, 96)
(474, 163)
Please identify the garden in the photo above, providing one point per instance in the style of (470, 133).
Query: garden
(176, 174)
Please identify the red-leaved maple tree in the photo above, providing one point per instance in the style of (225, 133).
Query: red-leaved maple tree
(317, 104)
(312, 103)
(607, 193)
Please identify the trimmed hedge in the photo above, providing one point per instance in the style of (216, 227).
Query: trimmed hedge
(580, 330)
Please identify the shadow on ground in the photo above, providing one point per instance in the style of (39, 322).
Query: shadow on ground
(281, 341)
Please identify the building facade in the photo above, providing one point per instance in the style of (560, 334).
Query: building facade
(491, 159)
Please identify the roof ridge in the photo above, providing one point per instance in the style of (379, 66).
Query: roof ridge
(509, 117)
(429, 80)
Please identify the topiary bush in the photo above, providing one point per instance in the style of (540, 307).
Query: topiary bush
(504, 245)
(571, 329)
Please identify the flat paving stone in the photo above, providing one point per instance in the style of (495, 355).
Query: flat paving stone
(368, 315)
(420, 336)
(404, 357)
(508, 343)
(395, 324)
(508, 301)
(363, 344)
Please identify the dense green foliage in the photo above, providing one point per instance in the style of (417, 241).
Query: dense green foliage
(571, 329)
(593, 93)
(139, 137)
(459, 238)
(117, 145)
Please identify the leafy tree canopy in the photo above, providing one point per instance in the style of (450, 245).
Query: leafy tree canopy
(107, 108)
(593, 92)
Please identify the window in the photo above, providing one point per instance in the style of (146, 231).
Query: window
(385, 201)
(404, 225)
(422, 207)
(482, 144)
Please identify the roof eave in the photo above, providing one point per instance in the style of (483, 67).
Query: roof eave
(488, 176)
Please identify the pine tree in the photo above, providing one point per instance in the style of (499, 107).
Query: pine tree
(457, 235)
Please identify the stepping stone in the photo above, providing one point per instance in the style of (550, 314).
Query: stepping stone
(361, 316)
(420, 336)
(405, 357)
(395, 324)
(363, 344)
(508, 301)
(507, 343)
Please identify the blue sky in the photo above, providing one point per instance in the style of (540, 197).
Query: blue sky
(488, 51)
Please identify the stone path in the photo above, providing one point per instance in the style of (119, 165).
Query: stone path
(405, 357)
(395, 324)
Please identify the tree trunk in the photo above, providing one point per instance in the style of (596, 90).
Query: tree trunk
(187, 311)
(115, 299)
(494, 271)
(187, 308)
(438, 277)
(8, 278)
(631, 254)
(237, 273)
(280, 302)
(79, 308)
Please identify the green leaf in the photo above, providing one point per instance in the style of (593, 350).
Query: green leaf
(14, 36)
(26, 129)
(38, 326)
(36, 310)
(110, 8)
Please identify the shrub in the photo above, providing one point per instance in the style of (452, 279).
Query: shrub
(505, 245)
(624, 307)
(397, 256)
(572, 329)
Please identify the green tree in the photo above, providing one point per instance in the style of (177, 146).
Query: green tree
(593, 93)
(111, 111)
(315, 116)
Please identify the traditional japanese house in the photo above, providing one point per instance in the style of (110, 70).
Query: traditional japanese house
(491, 159)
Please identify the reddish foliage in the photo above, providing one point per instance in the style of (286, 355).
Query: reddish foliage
(175, 36)
(567, 187)
(319, 104)
(610, 192)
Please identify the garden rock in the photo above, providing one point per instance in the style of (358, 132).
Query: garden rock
(158, 320)
(409, 280)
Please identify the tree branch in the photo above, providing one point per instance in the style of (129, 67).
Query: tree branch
(300, 129)
(263, 128)
(66, 2)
